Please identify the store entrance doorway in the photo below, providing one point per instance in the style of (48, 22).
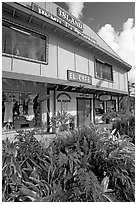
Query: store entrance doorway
(84, 111)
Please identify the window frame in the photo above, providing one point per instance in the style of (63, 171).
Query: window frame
(104, 63)
(7, 23)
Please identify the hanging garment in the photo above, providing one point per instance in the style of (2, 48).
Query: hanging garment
(8, 115)
(30, 115)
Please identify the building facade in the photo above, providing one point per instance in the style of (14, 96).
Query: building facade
(53, 62)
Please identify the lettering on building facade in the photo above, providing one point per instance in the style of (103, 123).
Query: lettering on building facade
(79, 77)
(72, 25)
(64, 15)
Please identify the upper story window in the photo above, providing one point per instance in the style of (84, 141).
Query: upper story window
(103, 70)
(23, 43)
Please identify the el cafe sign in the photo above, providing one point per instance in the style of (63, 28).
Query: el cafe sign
(79, 77)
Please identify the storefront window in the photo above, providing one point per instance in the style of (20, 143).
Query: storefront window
(99, 111)
(23, 43)
(103, 71)
(20, 110)
(111, 106)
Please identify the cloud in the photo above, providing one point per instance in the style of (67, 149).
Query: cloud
(123, 43)
(75, 8)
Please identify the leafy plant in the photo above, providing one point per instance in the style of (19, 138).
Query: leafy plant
(127, 125)
(61, 121)
(78, 166)
(109, 115)
(116, 157)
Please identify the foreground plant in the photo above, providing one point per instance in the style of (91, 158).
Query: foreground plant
(79, 166)
(116, 157)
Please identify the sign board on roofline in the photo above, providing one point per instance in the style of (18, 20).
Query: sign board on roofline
(65, 20)
(73, 21)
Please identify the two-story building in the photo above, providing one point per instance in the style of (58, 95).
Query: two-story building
(53, 62)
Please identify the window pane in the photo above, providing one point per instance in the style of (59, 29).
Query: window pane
(103, 71)
(99, 70)
(6, 41)
(106, 74)
(22, 43)
(111, 105)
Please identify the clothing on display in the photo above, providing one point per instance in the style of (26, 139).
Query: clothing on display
(21, 110)
(8, 116)
(30, 115)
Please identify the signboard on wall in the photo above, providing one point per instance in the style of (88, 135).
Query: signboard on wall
(64, 98)
(105, 97)
(79, 77)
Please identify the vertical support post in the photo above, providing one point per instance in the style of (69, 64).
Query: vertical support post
(94, 98)
(118, 104)
(54, 99)
(48, 108)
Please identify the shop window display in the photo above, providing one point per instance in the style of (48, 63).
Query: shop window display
(20, 110)
(111, 106)
(99, 111)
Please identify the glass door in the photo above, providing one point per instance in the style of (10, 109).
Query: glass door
(83, 112)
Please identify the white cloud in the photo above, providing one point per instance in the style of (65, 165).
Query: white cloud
(123, 43)
(75, 8)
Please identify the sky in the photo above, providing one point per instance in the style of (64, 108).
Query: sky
(112, 21)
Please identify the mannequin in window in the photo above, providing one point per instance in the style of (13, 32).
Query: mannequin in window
(16, 50)
(20, 110)
(30, 115)
(8, 115)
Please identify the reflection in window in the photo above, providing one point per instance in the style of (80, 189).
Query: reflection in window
(99, 107)
(99, 111)
(103, 70)
(111, 106)
(23, 43)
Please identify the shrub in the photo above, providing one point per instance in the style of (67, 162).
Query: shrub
(116, 158)
(128, 125)
(78, 166)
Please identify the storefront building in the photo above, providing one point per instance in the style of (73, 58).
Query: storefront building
(53, 62)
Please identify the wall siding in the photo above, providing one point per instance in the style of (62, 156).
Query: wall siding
(66, 60)
(64, 55)
(6, 63)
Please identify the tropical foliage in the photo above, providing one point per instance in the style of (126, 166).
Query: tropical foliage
(78, 166)
(61, 121)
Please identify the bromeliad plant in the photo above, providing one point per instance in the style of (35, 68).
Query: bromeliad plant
(61, 121)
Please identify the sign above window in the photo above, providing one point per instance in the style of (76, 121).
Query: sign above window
(79, 77)
(105, 97)
(63, 97)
